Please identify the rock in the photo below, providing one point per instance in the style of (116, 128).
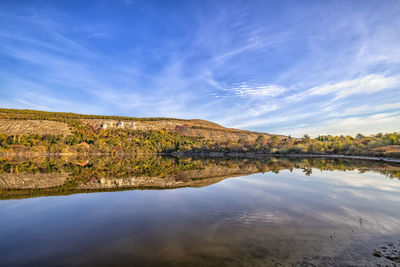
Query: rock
(377, 254)
(388, 250)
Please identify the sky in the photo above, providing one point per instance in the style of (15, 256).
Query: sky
(287, 67)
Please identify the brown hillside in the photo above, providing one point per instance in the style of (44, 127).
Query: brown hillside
(196, 128)
(43, 127)
(16, 122)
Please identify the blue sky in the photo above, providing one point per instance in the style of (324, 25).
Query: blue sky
(291, 67)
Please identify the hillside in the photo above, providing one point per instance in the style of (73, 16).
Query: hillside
(25, 122)
(39, 132)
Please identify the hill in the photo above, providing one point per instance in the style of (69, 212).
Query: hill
(107, 134)
(23, 122)
(41, 132)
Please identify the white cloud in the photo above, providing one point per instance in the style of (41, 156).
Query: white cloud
(368, 84)
(276, 119)
(248, 89)
(387, 122)
(364, 109)
(235, 52)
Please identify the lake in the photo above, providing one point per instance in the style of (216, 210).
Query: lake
(150, 210)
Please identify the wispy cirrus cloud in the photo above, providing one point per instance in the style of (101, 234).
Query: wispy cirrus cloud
(368, 84)
(349, 126)
(366, 109)
(251, 89)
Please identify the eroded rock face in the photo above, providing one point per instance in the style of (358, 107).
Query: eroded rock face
(118, 125)
(195, 128)
(389, 251)
(132, 125)
(42, 127)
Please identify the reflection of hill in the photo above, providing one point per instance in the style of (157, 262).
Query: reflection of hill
(32, 181)
(20, 178)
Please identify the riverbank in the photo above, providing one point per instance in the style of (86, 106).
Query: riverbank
(261, 155)
(346, 157)
(200, 154)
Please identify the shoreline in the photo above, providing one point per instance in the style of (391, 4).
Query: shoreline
(261, 155)
(346, 157)
(204, 154)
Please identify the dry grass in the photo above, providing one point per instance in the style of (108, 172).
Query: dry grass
(25, 127)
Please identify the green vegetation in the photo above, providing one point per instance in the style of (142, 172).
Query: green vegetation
(386, 145)
(374, 145)
(28, 114)
(116, 167)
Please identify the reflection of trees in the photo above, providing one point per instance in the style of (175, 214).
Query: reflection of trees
(161, 166)
(307, 171)
(85, 170)
(149, 165)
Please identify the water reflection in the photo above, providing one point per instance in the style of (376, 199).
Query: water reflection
(20, 178)
(314, 211)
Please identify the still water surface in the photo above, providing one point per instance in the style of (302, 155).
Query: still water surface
(295, 212)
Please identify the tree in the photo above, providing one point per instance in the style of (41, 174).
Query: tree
(360, 136)
(306, 138)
